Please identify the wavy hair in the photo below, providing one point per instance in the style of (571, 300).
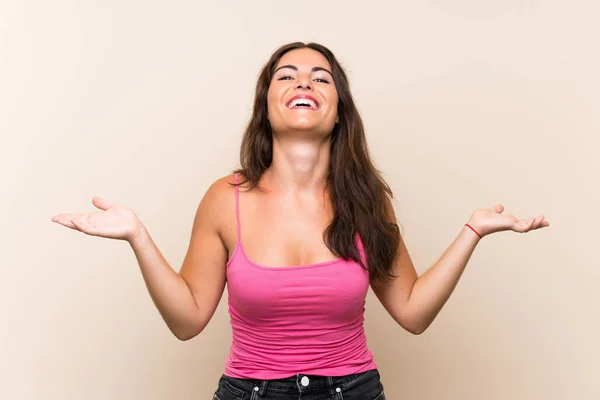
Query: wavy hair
(359, 194)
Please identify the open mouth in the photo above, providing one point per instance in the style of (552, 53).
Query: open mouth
(305, 102)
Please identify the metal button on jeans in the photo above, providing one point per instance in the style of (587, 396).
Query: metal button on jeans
(304, 381)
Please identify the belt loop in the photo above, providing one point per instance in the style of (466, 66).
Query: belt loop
(263, 387)
(330, 386)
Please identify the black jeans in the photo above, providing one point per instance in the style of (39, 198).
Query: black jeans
(363, 386)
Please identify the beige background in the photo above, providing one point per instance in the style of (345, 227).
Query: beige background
(466, 103)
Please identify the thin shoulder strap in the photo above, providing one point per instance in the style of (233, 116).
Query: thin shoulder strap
(237, 209)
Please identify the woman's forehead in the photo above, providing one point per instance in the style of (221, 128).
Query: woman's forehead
(304, 59)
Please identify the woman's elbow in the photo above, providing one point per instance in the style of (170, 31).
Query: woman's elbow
(416, 330)
(187, 331)
(411, 326)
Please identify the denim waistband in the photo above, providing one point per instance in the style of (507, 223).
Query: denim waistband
(300, 383)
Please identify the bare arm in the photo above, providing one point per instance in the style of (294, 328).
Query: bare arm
(187, 300)
(413, 301)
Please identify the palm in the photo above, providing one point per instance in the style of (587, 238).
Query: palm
(113, 221)
(490, 220)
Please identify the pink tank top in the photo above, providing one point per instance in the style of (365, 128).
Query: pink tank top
(305, 319)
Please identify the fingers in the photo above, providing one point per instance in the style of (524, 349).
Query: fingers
(84, 223)
(499, 208)
(84, 226)
(521, 226)
(78, 222)
(66, 220)
(101, 203)
(532, 224)
(78, 225)
(540, 222)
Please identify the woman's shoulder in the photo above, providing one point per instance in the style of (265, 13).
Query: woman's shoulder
(217, 206)
(221, 189)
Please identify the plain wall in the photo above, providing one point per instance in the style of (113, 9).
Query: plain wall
(466, 104)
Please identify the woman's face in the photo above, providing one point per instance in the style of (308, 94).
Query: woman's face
(302, 95)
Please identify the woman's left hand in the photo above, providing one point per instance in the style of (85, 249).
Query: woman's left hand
(490, 220)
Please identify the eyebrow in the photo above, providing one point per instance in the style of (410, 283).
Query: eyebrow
(314, 69)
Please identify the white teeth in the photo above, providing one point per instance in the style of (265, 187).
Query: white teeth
(295, 102)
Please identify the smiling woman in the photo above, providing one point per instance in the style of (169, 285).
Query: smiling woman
(331, 136)
(297, 240)
(316, 97)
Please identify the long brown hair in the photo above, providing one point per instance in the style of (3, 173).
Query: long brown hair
(358, 192)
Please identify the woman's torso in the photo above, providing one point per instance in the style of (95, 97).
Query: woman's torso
(295, 307)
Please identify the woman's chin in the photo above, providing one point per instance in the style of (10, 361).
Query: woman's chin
(305, 124)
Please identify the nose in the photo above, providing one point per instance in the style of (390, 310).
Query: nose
(303, 82)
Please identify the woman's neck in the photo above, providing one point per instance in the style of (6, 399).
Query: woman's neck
(298, 165)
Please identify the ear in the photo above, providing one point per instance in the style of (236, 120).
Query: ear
(337, 119)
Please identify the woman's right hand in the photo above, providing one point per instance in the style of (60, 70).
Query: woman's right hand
(115, 221)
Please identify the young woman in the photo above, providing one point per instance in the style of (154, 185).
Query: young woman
(298, 233)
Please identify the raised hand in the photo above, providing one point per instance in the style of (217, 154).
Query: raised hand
(114, 221)
(490, 220)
